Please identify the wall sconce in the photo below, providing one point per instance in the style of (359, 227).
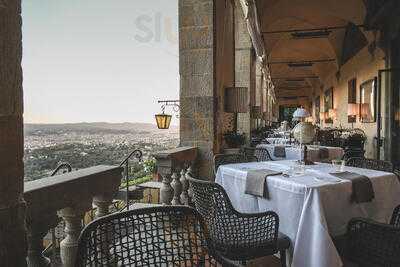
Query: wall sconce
(352, 113)
(236, 100)
(164, 120)
(397, 116)
(333, 113)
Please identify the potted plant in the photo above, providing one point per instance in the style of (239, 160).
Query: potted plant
(234, 141)
(150, 167)
(355, 138)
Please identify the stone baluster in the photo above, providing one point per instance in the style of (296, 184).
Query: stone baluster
(36, 231)
(189, 175)
(185, 187)
(73, 226)
(166, 191)
(177, 186)
(102, 204)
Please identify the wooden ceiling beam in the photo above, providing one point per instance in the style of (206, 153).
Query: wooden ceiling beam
(295, 78)
(303, 61)
(326, 28)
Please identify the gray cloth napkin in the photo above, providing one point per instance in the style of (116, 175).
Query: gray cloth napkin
(280, 151)
(361, 186)
(256, 183)
(323, 153)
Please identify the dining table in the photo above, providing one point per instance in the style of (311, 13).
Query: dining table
(314, 206)
(293, 152)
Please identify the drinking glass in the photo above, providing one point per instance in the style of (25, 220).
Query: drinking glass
(338, 165)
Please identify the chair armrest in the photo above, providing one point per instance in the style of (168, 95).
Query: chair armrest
(221, 259)
(395, 221)
(370, 242)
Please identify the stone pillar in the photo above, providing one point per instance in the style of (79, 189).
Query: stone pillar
(196, 68)
(13, 246)
(244, 67)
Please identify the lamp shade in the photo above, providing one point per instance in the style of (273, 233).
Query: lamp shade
(352, 109)
(301, 113)
(236, 100)
(163, 121)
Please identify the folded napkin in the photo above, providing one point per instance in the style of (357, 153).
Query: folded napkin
(256, 183)
(323, 153)
(280, 151)
(361, 186)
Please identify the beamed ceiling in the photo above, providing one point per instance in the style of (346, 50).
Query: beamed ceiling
(317, 57)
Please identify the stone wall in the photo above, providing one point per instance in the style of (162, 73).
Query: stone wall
(12, 207)
(363, 67)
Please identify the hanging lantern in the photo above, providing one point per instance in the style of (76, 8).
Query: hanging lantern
(163, 121)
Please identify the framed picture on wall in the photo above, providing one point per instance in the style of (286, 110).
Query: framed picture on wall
(328, 103)
(368, 101)
(317, 109)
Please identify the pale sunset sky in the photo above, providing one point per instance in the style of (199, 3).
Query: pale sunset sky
(98, 60)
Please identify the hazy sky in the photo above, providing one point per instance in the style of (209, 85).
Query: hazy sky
(99, 60)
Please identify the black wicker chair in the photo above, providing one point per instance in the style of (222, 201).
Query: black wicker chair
(373, 164)
(155, 236)
(221, 159)
(237, 236)
(259, 153)
(370, 243)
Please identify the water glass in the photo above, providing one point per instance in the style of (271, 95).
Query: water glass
(338, 164)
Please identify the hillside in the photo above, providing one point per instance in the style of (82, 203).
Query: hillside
(94, 127)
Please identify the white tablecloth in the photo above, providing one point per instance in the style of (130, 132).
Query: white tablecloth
(311, 207)
(293, 152)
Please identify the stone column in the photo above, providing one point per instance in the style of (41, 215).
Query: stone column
(13, 247)
(196, 68)
(244, 76)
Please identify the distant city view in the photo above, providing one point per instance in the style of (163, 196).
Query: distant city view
(88, 144)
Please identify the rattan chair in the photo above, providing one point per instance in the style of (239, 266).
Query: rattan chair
(155, 236)
(370, 243)
(237, 236)
(372, 164)
(221, 159)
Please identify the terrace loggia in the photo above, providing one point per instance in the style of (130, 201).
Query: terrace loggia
(285, 53)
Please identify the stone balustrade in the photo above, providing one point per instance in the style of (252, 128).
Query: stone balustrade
(69, 195)
(173, 166)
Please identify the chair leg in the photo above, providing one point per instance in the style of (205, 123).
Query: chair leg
(282, 254)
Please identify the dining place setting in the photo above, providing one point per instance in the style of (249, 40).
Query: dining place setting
(319, 195)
